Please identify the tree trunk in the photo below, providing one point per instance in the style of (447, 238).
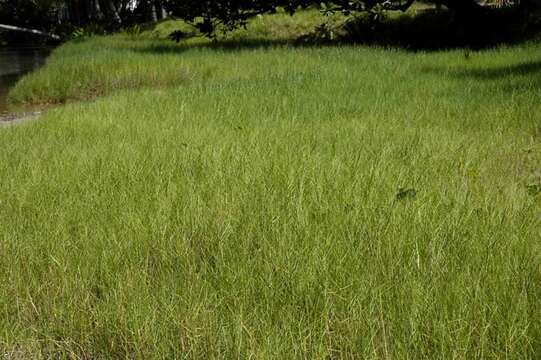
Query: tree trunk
(462, 6)
(163, 11)
(93, 10)
(468, 18)
(111, 12)
(32, 31)
(160, 10)
(466, 12)
(153, 12)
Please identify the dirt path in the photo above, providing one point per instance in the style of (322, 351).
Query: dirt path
(15, 119)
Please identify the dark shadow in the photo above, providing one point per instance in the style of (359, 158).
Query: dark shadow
(434, 29)
(522, 77)
(523, 69)
(226, 45)
(530, 69)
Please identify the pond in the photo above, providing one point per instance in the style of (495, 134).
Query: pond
(15, 62)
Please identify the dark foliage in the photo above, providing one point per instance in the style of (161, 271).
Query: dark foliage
(65, 17)
(435, 29)
(468, 19)
(212, 15)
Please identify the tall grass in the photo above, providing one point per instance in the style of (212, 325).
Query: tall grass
(273, 202)
(146, 59)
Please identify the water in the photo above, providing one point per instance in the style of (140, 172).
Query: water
(15, 62)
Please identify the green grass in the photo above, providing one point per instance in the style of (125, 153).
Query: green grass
(148, 59)
(246, 202)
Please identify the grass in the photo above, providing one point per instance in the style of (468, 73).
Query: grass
(148, 59)
(226, 201)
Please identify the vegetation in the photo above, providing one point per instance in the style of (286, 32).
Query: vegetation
(74, 17)
(227, 14)
(70, 18)
(245, 199)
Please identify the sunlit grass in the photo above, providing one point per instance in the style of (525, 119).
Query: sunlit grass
(273, 202)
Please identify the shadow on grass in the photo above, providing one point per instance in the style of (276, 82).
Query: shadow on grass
(531, 69)
(433, 29)
(226, 45)
(426, 30)
(507, 79)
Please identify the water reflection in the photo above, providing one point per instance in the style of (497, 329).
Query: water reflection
(15, 62)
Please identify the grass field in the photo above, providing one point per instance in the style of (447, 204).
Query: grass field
(272, 201)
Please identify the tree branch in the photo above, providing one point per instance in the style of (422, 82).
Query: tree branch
(32, 31)
(397, 6)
